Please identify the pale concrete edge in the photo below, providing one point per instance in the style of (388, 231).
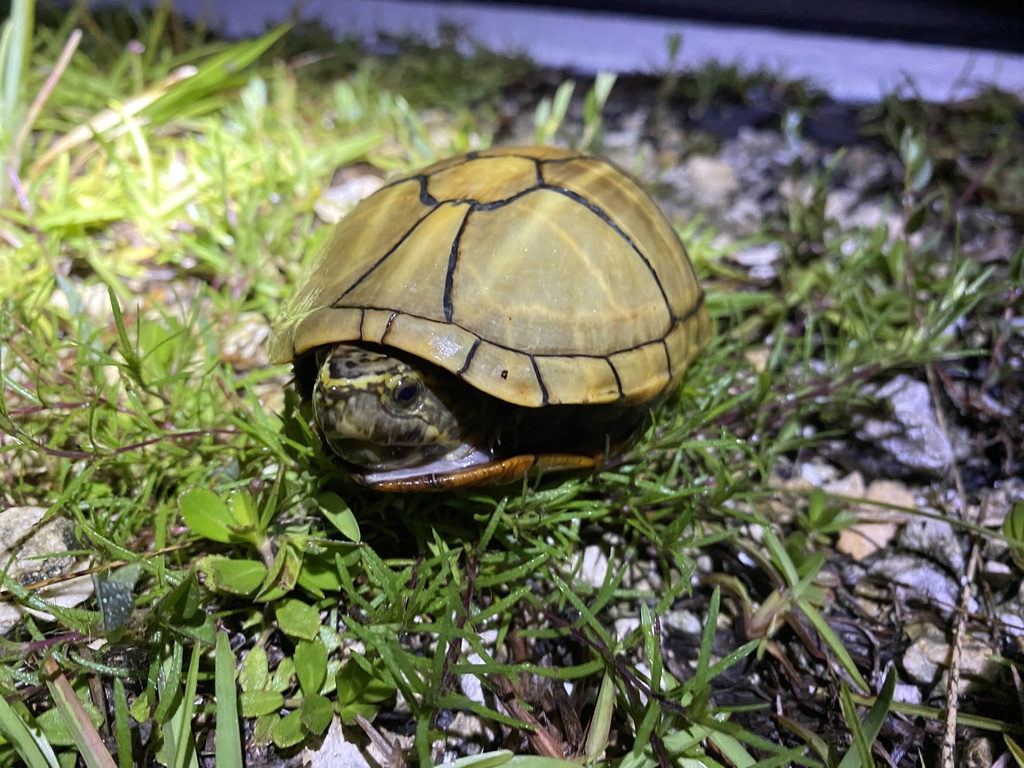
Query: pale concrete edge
(855, 70)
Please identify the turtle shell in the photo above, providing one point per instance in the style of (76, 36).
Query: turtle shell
(539, 276)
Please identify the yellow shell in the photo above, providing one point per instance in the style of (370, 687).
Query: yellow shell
(539, 276)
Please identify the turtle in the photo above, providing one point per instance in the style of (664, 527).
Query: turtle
(498, 313)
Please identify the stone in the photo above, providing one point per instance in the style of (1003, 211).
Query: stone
(928, 658)
(851, 485)
(917, 580)
(935, 538)
(890, 493)
(912, 434)
(712, 179)
(335, 751)
(594, 566)
(243, 344)
(997, 502)
(862, 540)
(37, 551)
(334, 202)
(925, 656)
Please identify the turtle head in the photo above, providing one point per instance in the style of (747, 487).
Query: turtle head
(380, 412)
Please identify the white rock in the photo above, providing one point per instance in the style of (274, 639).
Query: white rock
(594, 566)
(334, 751)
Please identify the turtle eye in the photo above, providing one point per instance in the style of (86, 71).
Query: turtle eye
(406, 392)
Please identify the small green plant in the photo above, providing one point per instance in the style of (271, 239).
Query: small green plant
(824, 519)
(551, 112)
(670, 80)
(1013, 530)
(15, 48)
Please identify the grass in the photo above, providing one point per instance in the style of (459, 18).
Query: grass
(141, 259)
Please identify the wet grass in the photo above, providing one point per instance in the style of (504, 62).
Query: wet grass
(160, 203)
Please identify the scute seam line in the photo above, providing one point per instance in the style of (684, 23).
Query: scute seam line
(385, 257)
(582, 356)
(600, 213)
(469, 357)
(426, 198)
(540, 381)
(615, 374)
(449, 275)
(387, 326)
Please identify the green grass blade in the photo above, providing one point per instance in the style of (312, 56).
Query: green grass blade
(859, 754)
(87, 738)
(15, 45)
(834, 643)
(34, 750)
(122, 725)
(601, 722)
(222, 70)
(229, 741)
(1015, 749)
(865, 733)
